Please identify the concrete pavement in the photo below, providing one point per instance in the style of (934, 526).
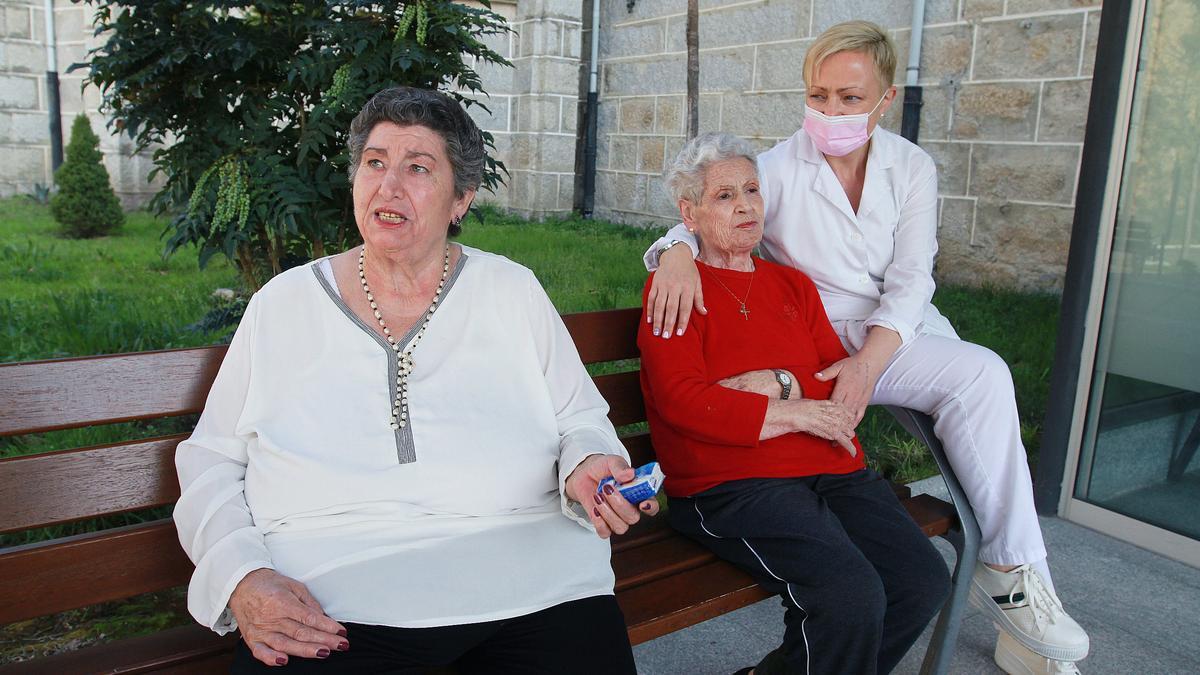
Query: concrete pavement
(1142, 612)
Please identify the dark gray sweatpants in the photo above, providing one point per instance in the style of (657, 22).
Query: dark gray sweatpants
(858, 578)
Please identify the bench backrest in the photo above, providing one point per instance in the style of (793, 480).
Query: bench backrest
(84, 483)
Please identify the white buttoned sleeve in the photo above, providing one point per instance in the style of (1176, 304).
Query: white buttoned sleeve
(677, 233)
(212, 517)
(908, 279)
(582, 413)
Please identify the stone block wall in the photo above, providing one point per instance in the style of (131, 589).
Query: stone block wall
(541, 93)
(1006, 86)
(24, 104)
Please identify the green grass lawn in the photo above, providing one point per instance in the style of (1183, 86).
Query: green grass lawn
(61, 297)
(66, 297)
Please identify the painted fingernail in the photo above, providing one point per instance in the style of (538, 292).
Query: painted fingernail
(343, 646)
(342, 633)
(322, 653)
(656, 332)
(598, 498)
(608, 489)
(646, 506)
(281, 660)
(679, 331)
(596, 511)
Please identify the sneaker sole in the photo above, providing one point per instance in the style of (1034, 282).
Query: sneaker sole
(1011, 663)
(983, 602)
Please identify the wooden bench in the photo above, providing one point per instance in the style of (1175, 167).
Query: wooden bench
(665, 582)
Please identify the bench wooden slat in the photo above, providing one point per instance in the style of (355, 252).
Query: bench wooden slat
(58, 487)
(639, 447)
(87, 569)
(653, 610)
(653, 561)
(68, 393)
(646, 531)
(193, 650)
(608, 335)
(623, 391)
(934, 516)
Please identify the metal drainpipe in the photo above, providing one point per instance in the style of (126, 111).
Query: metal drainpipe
(589, 147)
(910, 124)
(56, 144)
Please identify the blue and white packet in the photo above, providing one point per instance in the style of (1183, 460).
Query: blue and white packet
(647, 481)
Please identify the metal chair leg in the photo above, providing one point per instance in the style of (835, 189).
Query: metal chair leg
(965, 540)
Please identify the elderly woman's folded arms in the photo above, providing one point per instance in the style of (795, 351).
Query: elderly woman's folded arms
(761, 467)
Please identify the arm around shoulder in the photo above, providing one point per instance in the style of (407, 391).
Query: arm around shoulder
(679, 233)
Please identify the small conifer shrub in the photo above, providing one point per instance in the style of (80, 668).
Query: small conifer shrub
(85, 204)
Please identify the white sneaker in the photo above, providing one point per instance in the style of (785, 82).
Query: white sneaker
(1025, 608)
(1014, 659)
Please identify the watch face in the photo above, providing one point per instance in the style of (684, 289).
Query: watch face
(783, 377)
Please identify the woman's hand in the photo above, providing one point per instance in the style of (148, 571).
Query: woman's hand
(674, 291)
(610, 513)
(829, 420)
(278, 617)
(855, 383)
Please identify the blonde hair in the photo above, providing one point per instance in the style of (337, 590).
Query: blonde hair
(854, 36)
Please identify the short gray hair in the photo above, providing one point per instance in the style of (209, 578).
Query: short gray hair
(410, 106)
(685, 176)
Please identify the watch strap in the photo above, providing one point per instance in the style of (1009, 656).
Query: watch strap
(784, 381)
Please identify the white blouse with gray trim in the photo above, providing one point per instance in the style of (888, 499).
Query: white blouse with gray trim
(458, 518)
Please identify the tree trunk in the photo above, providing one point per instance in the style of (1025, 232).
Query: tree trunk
(246, 262)
(693, 68)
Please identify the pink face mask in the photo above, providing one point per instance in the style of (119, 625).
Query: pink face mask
(839, 135)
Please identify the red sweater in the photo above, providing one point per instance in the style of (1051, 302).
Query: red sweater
(705, 434)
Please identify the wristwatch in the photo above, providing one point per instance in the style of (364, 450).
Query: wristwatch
(785, 381)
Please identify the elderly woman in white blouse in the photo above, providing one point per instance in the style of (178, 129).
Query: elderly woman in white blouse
(398, 463)
(854, 207)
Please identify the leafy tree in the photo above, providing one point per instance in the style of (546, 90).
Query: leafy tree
(251, 102)
(85, 204)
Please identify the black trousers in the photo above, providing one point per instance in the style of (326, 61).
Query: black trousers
(858, 578)
(583, 636)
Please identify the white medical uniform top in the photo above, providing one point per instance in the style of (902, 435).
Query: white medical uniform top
(871, 268)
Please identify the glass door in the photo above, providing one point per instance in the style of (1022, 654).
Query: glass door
(1138, 451)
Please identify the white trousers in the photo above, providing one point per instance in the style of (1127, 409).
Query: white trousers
(968, 391)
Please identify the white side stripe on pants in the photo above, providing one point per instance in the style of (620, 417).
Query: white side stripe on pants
(803, 633)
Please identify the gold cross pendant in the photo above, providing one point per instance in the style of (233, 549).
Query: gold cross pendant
(745, 312)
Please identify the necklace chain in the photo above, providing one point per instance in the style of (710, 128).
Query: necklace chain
(404, 360)
(742, 309)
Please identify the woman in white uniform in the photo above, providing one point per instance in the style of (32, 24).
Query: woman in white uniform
(389, 470)
(854, 207)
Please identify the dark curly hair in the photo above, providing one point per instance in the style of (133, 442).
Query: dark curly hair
(410, 106)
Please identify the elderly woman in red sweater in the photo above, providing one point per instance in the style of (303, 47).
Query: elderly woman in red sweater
(764, 469)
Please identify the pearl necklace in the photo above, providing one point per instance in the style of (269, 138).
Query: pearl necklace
(404, 360)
